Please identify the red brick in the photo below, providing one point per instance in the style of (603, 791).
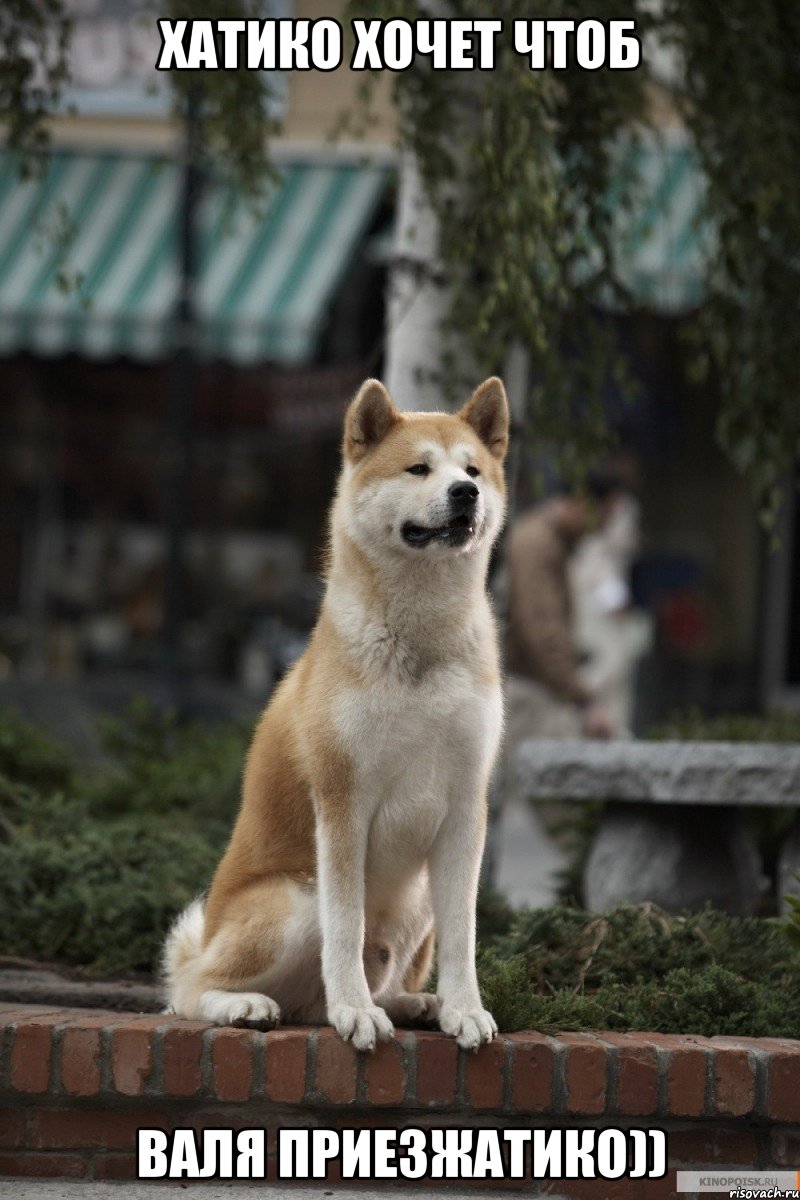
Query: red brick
(585, 1074)
(131, 1058)
(531, 1073)
(613, 1189)
(483, 1075)
(12, 1128)
(687, 1072)
(114, 1166)
(87, 1129)
(687, 1060)
(182, 1047)
(734, 1083)
(80, 1061)
(232, 1063)
(637, 1073)
(90, 1018)
(11, 1013)
(723, 1042)
(437, 1062)
(385, 1073)
(51, 1166)
(285, 1078)
(337, 1066)
(31, 1054)
(709, 1146)
(785, 1147)
(81, 1017)
(784, 1085)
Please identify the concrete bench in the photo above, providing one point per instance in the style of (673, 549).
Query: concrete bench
(672, 832)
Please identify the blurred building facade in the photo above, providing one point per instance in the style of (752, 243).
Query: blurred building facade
(291, 315)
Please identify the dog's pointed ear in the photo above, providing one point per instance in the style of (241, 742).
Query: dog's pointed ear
(487, 412)
(369, 418)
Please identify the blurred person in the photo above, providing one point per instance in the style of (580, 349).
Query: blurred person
(547, 695)
(611, 634)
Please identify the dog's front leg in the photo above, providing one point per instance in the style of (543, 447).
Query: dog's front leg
(341, 857)
(454, 866)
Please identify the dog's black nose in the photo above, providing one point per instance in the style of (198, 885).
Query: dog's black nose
(462, 494)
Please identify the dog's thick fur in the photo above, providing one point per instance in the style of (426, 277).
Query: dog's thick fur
(363, 812)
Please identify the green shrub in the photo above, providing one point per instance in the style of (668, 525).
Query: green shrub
(637, 968)
(95, 863)
(30, 756)
(692, 725)
(567, 947)
(100, 894)
(96, 860)
(160, 765)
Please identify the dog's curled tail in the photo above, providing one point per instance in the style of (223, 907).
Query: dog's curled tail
(182, 950)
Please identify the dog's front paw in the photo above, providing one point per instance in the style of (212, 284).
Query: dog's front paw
(469, 1026)
(361, 1026)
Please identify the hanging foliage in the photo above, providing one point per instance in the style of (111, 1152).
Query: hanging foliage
(519, 166)
(235, 106)
(742, 105)
(34, 72)
(34, 37)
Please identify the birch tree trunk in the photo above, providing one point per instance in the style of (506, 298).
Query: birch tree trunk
(417, 300)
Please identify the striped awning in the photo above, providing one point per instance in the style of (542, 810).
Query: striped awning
(89, 257)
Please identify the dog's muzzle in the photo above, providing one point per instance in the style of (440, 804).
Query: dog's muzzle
(462, 499)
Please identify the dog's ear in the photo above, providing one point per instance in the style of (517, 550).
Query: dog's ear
(369, 418)
(487, 412)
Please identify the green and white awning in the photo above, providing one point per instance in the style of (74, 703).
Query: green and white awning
(88, 257)
(88, 252)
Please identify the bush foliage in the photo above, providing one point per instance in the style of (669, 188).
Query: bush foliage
(96, 859)
(637, 968)
(691, 725)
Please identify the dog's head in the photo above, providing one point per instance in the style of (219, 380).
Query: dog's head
(427, 484)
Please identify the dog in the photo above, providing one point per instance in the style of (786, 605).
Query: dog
(363, 812)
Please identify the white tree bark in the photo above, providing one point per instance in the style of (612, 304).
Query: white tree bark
(417, 300)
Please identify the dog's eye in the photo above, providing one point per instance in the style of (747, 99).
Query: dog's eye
(419, 469)
(472, 471)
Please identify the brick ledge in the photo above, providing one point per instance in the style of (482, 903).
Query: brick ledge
(76, 1083)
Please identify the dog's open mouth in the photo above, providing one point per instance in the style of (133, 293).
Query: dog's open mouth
(456, 532)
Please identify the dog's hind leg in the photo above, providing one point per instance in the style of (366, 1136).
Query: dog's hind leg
(410, 1003)
(261, 959)
(250, 1009)
(419, 968)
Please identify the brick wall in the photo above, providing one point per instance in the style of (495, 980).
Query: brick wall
(76, 1084)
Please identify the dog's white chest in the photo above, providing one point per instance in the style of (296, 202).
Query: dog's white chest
(392, 731)
(415, 750)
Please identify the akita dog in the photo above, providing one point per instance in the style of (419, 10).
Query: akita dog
(363, 814)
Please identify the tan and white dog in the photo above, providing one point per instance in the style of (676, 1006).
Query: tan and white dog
(364, 802)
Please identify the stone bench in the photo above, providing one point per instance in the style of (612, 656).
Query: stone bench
(672, 832)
